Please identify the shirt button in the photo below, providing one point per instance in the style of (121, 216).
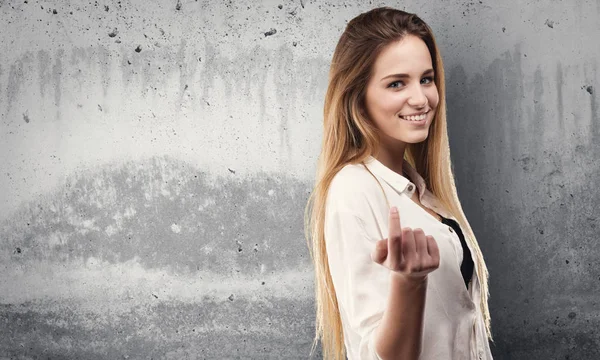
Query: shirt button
(410, 188)
(450, 229)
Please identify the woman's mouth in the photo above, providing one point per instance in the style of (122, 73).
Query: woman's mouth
(416, 120)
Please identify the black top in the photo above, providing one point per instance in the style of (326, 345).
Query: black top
(466, 267)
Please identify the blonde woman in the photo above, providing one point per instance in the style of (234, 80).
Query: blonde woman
(399, 273)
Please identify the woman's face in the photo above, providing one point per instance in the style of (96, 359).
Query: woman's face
(391, 96)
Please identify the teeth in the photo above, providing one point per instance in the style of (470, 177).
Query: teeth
(414, 118)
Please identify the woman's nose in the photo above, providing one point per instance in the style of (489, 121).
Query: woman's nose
(417, 97)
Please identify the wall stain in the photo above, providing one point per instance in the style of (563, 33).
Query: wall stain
(198, 67)
(160, 213)
(103, 56)
(1, 77)
(590, 89)
(499, 136)
(118, 213)
(559, 97)
(44, 75)
(287, 90)
(271, 31)
(16, 77)
(56, 77)
(209, 330)
(595, 117)
(594, 127)
(187, 70)
(539, 110)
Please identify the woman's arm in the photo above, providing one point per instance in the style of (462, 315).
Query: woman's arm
(385, 314)
(410, 255)
(399, 335)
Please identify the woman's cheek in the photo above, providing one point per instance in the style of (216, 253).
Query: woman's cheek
(434, 97)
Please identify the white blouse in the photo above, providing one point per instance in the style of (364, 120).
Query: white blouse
(356, 217)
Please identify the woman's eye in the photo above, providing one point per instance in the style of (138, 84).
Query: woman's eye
(428, 78)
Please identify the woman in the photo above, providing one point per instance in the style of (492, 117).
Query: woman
(396, 278)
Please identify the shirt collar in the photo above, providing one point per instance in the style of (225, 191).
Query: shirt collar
(403, 184)
(397, 181)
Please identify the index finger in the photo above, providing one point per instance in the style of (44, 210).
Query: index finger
(395, 230)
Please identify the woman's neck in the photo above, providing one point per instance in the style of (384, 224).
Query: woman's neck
(392, 158)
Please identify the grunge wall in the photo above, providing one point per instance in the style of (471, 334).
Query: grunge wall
(157, 158)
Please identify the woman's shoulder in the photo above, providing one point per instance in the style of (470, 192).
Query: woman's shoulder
(351, 176)
(353, 186)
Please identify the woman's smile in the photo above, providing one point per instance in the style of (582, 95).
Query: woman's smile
(418, 120)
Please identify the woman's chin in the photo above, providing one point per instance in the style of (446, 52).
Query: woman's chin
(415, 136)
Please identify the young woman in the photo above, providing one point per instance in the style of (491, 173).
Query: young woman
(399, 273)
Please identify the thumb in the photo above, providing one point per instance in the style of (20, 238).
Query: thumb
(380, 252)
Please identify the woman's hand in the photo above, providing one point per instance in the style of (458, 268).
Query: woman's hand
(407, 252)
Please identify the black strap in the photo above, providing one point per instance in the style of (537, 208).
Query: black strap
(467, 265)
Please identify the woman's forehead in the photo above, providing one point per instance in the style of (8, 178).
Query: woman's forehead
(408, 56)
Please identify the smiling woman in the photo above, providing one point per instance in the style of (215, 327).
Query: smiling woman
(392, 95)
(398, 271)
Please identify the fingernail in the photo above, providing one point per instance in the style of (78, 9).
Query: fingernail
(393, 210)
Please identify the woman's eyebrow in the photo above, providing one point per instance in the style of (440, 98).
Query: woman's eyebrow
(428, 71)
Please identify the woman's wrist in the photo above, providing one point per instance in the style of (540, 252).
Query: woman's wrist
(408, 280)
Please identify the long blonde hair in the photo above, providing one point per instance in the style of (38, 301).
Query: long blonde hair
(349, 137)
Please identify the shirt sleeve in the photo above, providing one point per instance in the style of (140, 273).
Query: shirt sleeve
(361, 285)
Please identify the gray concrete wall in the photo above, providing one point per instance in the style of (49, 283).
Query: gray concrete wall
(157, 157)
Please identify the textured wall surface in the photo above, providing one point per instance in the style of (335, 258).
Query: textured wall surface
(157, 157)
